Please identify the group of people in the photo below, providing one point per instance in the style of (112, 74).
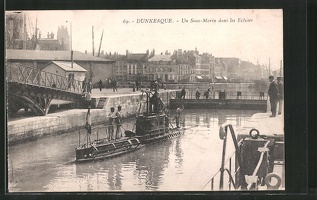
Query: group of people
(87, 86)
(114, 119)
(276, 94)
(113, 84)
(207, 94)
(177, 116)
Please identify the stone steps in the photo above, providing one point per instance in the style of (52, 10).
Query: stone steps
(101, 103)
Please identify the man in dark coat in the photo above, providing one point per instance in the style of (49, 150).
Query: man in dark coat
(197, 93)
(183, 93)
(273, 94)
(89, 86)
(100, 84)
(114, 85)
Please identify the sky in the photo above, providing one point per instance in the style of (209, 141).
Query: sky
(257, 36)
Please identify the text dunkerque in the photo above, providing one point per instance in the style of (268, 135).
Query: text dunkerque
(155, 21)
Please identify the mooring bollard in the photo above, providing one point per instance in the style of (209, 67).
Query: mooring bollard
(261, 95)
(238, 95)
(222, 95)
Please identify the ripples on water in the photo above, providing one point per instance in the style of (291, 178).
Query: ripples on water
(185, 163)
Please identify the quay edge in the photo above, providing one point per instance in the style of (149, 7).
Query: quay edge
(28, 129)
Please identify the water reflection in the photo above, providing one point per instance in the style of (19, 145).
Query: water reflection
(208, 118)
(151, 164)
(179, 156)
(182, 164)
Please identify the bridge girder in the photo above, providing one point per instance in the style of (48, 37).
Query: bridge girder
(38, 98)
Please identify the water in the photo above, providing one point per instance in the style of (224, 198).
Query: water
(185, 163)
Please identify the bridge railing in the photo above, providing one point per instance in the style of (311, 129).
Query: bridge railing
(227, 95)
(31, 76)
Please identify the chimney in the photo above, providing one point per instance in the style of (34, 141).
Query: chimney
(179, 52)
(127, 52)
(48, 35)
(40, 35)
(52, 35)
(147, 52)
(85, 51)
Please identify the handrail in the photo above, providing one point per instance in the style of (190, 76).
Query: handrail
(223, 136)
(212, 178)
(245, 95)
(31, 76)
(226, 161)
(172, 95)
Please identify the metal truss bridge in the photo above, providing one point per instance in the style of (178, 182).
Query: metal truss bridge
(32, 88)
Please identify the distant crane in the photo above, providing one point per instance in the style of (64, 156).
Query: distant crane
(93, 47)
(100, 43)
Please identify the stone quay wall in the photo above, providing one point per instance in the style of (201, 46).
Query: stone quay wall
(27, 129)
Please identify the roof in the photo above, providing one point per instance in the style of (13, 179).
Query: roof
(156, 58)
(199, 77)
(49, 44)
(181, 59)
(218, 77)
(137, 57)
(67, 66)
(118, 57)
(19, 54)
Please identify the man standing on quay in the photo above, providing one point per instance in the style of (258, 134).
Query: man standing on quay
(273, 94)
(100, 85)
(280, 87)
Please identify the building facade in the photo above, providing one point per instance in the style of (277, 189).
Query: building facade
(163, 68)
